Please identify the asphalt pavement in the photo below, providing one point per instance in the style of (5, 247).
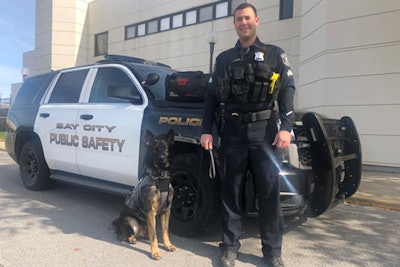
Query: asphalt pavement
(68, 226)
(377, 189)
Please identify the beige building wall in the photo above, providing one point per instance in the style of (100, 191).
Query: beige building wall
(344, 54)
(183, 48)
(61, 38)
(186, 48)
(349, 65)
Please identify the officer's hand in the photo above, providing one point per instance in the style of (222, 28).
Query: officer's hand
(206, 141)
(282, 139)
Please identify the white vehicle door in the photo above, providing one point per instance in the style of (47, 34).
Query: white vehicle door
(109, 128)
(56, 120)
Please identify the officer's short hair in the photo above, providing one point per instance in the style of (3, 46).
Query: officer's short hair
(243, 6)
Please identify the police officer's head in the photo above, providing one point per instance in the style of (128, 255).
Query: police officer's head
(246, 22)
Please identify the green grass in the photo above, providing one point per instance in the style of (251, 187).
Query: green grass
(1, 136)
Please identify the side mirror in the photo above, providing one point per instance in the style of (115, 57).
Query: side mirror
(151, 79)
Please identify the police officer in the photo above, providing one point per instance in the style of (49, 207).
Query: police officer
(246, 83)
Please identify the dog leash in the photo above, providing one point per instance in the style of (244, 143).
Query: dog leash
(212, 172)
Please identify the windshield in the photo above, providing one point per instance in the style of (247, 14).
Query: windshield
(158, 89)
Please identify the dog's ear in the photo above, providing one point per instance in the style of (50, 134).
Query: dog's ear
(170, 137)
(149, 139)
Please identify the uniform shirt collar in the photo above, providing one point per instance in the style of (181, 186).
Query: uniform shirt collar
(257, 44)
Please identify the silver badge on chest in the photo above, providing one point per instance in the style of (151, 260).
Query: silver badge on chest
(259, 56)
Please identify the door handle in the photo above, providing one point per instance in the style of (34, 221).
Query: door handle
(44, 115)
(86, 117)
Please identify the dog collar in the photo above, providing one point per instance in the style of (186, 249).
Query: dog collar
(158, 175)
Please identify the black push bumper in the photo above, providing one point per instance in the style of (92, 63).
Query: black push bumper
(336, 161)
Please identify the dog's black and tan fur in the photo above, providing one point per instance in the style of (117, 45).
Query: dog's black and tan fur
(152, 197)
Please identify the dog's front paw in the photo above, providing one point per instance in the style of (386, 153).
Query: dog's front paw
(170, 247)
(156, 255)
(132, 239)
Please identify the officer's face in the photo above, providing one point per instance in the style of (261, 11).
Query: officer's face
(246, 23)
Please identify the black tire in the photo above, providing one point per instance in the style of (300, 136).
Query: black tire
(196, 203)
(33, 167)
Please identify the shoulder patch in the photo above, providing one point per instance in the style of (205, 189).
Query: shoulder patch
(285, 59)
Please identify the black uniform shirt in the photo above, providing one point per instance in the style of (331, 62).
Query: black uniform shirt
(276, 58)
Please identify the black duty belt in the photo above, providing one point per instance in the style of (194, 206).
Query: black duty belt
(239, 118)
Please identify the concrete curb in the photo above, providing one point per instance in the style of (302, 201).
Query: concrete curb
(376, 202)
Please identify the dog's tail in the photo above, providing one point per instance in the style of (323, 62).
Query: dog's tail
(128, 220)
(113, 227)
(133, 223)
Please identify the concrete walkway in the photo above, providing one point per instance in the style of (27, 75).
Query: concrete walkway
(2, 146)
(377, 189)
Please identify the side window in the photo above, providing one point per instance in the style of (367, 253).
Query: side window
(33, 89)
(68, 87)
(109, 77)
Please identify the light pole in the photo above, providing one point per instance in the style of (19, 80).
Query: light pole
(25, 73)
(212, 38)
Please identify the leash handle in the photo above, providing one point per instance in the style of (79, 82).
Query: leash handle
(212, 172)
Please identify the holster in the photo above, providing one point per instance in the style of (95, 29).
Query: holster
(219, 118)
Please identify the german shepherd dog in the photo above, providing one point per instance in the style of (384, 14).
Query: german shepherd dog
(151, 197)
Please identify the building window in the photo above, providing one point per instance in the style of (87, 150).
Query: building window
(234, 5)
(165, 24)
(191, 17)
(221, 10)
(101, 44)
(152, 26)
(141, 29)
(177, 21)
(205, 13)
(286, 9)
(130, 32)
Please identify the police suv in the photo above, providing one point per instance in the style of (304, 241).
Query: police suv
(85, 126)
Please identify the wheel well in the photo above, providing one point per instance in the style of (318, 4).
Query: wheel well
(196, 202)
(182, 147)
(186, 148)
(22, 138)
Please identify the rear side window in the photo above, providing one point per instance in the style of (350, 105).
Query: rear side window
(68, 87)
(33, 89)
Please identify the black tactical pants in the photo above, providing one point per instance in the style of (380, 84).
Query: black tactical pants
(243, 147)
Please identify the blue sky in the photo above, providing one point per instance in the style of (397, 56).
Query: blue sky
(17, 35)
